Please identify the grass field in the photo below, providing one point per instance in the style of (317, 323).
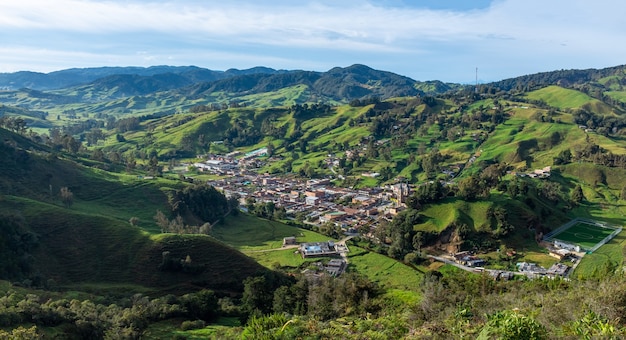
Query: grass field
(248, 233)
(584, 234)
(383, 270)
(610, 255)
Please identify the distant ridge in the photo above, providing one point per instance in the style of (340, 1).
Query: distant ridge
(79, 76)
(560, 77)
(356, 81)
(339, 84)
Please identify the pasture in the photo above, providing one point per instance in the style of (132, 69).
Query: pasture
(249, 233)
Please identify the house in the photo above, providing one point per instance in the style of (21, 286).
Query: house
(289, 241)
(311, 200)
(526, 267)
(559, 253)
(558, 269)
(332, 216)
(314, 193)
(335, 267)
(563, 245)
(316, 249)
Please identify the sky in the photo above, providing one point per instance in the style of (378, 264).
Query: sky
(443, 40)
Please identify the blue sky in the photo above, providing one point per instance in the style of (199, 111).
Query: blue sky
(425, 40)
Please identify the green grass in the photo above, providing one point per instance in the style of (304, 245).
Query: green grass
(609, 255)
(246, 232)
(222, 328)
(280, 257)
(80, 248)
(383, 270)
(559, 97)
(619, 95)
(440, 216)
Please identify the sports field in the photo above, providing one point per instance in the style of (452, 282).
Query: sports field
(584, 234)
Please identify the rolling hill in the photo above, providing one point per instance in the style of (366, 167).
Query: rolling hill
(92, 241)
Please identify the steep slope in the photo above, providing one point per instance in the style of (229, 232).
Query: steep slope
(90, 239)
(73, 247)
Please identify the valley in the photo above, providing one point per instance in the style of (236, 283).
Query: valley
(156, 203)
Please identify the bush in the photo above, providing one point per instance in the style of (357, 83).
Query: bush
(188, 325)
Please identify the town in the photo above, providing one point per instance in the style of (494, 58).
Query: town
(314, 202)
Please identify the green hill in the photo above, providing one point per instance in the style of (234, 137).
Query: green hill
(561, 98)
(92, 241)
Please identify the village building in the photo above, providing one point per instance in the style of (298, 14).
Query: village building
(335, 267)
(288, 241)
(526, 267)
(332, 216)
(316, 249)
(558, 269)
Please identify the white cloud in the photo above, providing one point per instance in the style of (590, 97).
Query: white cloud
(517, 33)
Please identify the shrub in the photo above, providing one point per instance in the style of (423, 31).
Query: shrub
(197, 324)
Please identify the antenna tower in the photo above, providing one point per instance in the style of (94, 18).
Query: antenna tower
(476, 88)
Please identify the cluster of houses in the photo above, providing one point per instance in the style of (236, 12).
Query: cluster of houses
(557, 269)
(537, 173)
(318, 201)
(466, 258)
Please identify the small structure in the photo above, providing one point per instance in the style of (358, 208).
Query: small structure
(563, 245)
(335, 267)
(526, 267)
(558, 269)
(560, 254)
(289, 241)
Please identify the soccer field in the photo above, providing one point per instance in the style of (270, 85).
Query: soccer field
(584, 234)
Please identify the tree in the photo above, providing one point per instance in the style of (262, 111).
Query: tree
(270, 149)
(21, 333)
(470, 188)
(258, 296)
(162, 221)
(153, 166)
(131, 163)
(564, 157)
(67, 197)
(577, 194)
(204, 202)
(201, 305)
(418, 240)
(550, 190)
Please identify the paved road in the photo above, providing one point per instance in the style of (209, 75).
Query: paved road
(344, 254)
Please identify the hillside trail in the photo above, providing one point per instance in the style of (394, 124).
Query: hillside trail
(292, 246)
